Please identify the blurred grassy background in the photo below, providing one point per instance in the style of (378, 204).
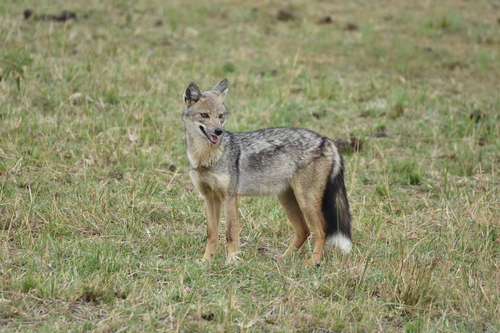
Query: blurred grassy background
(101, 228)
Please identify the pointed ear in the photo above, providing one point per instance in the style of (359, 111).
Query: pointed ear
(192, 94)
(222, 87)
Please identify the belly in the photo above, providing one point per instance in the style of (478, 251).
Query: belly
(261, 186)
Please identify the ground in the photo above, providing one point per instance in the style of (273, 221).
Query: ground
(101, 229)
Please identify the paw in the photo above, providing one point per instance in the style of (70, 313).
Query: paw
(316, 259)
(208, 256)
(290, 252)
(233, 259)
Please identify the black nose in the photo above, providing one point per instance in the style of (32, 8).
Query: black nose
(218, 131)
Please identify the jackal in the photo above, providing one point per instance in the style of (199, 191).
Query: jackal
(302, 168)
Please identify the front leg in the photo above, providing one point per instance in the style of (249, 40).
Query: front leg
(232, 227)
(212, 204)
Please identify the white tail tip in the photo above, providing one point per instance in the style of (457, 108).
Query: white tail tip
(341, 241)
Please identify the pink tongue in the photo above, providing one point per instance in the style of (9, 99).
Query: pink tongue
(213, 138)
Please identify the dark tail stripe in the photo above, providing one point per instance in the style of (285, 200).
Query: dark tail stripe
(336, 207)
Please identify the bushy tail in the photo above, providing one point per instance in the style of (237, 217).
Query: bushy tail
(336, 210)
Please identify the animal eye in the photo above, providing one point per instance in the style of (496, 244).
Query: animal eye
(204, 115)
(221, 116)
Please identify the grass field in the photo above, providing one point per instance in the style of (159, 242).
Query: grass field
(101, 229)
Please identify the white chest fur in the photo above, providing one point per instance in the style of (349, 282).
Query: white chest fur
(210, 181)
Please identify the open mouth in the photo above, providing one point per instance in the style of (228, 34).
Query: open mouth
(212, 138)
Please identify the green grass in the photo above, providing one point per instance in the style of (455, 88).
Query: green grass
(101, 229)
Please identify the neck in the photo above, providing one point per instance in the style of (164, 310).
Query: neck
(202, 153)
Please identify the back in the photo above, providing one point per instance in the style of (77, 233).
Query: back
(269, 158)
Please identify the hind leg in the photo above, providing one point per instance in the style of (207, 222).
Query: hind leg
(315, 218)
(296, 218)
(309, 189)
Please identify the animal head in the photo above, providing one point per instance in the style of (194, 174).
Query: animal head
(206, 113)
